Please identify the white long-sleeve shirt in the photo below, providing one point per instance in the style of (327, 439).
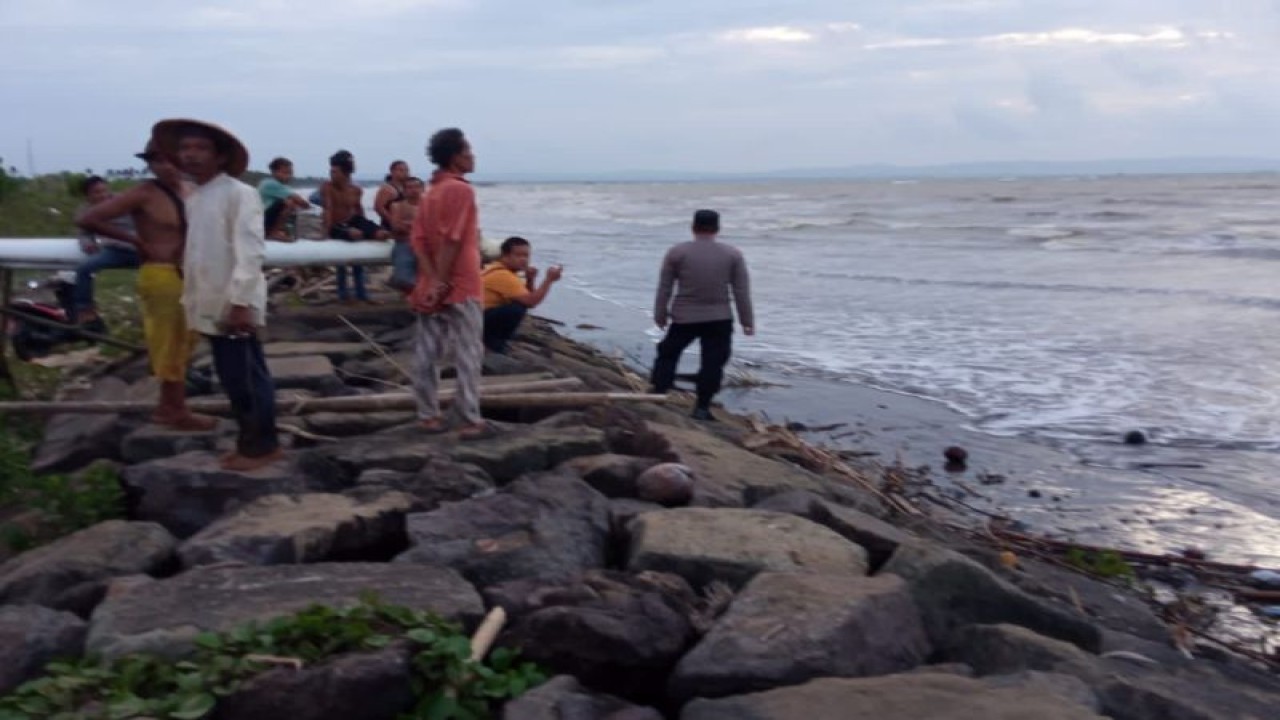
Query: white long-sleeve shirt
(225, 249)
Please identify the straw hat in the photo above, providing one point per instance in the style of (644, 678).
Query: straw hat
(167, 132)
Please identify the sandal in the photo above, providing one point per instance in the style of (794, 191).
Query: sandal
(434, 426)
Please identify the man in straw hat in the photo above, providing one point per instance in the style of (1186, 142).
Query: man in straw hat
(225, 296)
(159, 215)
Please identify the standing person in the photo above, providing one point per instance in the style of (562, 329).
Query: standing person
(391, 192)
(447, 296)
(404, 269)
(703, 271)
(225, 296)
(506, 297)
(279, 202)
(158, 210)
(105, 252)
(345, 219)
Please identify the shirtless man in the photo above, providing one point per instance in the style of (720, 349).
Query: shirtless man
(404, 267)
(159, 215)
(345, 219)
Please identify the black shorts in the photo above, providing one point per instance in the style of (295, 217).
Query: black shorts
(367, 228)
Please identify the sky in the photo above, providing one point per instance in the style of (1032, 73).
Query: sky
(569, 86)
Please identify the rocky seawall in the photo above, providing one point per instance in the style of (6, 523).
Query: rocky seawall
(655, 566)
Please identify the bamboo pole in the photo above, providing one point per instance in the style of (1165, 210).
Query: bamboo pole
(6, 289)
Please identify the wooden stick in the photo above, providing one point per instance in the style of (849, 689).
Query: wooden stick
(376, 347)
(1130, 555)
(290, 403)
(487, 633)
(104, 339)
(6, 287)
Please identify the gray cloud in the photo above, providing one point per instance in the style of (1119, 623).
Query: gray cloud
(573, 85)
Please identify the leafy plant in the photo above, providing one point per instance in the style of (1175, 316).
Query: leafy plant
(447, 683)
(1107, 564)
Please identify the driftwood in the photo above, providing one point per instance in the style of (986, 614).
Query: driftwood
(487, 633)
(290, 403)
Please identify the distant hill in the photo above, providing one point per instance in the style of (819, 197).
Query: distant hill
(1030, 168)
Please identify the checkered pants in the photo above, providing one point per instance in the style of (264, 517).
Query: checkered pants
(455, 331)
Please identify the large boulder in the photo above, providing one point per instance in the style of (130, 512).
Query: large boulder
(786, 628)
(338, 465)
(30, 637)
(439, 481)
(308, 372)
(612, 474)
(913, 696)
(311, 527)
(165, 616)
(73, 440)
(346, 424)
(728, 474)
(512, 454)
(618, 633)
(187, 492)
(564, 698)
(71, 573)
(733, 545)
(1002, 649)
(879, 538)
(546, 526)
(370, 686)
(152, 442)
(953, 591)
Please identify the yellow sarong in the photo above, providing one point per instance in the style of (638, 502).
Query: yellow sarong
(164, 321)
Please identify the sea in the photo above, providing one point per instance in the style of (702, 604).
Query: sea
(1033, 321)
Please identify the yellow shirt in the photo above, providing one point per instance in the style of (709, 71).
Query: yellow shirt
(501, 285)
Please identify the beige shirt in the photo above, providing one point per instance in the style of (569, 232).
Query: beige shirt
(225, 249)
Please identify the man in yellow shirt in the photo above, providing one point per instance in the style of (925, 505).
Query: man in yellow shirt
(506, 297)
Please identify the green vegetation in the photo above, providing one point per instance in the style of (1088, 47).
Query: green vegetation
(447, 684)
(64, 503)
(1107, 564)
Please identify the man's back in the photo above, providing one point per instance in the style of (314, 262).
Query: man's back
(703, 271)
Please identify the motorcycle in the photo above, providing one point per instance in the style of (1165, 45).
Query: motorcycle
(50, 299)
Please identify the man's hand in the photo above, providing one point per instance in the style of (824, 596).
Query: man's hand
(530, 274)
(748, 330)
(554, 273)
(661, 323)
(240, 320)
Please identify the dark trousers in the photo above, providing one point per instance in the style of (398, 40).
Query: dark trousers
(500, 325)
(242, 370)
(357, 274)
(716, 341)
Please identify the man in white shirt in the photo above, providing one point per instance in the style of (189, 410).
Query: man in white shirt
(225, 292)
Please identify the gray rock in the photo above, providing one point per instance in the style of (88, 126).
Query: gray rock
(668, 484)
(346, 424)
(786, 628)
(164, 616)
(310, 527)
(152, 442)
(612, 474)
(368, 372)
(71, 573)
(439, 481)
(618, 633)
(545, 526)
(879, 538)
(187, 492)
(623, 510)
(1068, 687)
(336, 352)
(953, 591)
(74, 440)
(337, 465)
(727, 473)
(309, 372)
(512, 454)
(30, 637)
(913, 696)
(369, 686)
(732, 545)
(563, 698)
(1001, 649)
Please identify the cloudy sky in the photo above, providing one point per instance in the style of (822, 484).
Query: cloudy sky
(612, 85)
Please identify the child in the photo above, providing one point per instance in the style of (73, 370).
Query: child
(404, 267)
(279, 202)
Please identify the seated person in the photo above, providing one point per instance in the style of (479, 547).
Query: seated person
(105, 253)
(279, 202)
(345, 219)
(506, 297)
(404, 266)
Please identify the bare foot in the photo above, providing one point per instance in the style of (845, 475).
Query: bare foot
(242, 463)
(434, 426)
(478, 431)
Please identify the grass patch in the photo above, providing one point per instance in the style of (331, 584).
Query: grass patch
(447, 683)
